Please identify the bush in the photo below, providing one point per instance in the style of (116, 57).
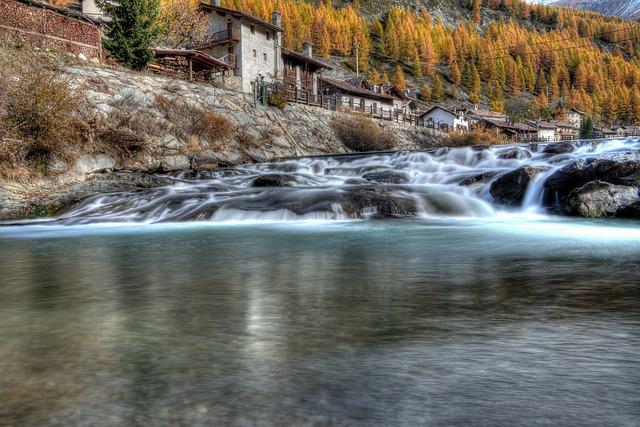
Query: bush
(359, 133)
(190, 121)
(277, 96)
(479, 136)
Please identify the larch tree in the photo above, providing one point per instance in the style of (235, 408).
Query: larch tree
(437, 90)
(398, 78)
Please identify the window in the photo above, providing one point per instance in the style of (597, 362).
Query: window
(253, 29)
(268, 36)
(255, 53)
(264, 57)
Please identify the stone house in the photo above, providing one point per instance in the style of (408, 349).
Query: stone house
(514, 132)
(575, 118)
(546, 130)
(302, 73)
(445, 119)
(252, 46)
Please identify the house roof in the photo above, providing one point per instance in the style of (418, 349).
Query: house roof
(196, 55)
(241, 15)
(513, 127)
(575, 110)
(438, 107)
(542, 124)
(305, 58)
(346, 87)
(481, 114)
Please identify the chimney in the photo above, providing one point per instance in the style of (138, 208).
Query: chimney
(215, 3)
(307, 49)
(276, 19)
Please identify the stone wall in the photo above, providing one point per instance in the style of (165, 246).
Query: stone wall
(261, 132)
(49, 27)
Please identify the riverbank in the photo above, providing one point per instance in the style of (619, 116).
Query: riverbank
(135, 124)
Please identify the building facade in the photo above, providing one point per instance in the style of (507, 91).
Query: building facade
(251, 45)
(445, 119)
(302, 74)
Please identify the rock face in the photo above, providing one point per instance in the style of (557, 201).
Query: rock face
(618, 172)
(511, 188)
(631, 211)
(89, 163)
(600, 199)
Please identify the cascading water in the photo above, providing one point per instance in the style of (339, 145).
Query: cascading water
(444, 182)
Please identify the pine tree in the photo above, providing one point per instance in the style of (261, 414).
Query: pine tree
(587, 128)
(398, 78)
(132, 32)
(437, 91)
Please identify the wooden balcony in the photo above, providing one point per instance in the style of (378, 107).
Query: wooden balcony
(220, 38)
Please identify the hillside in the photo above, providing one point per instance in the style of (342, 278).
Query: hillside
(627, 9)
(527, 58)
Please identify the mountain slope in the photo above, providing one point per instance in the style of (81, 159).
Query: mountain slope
(627, 9)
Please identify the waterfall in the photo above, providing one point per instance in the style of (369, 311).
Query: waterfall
(446, 182)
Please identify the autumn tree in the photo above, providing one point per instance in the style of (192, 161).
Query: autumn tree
(398, 78)
(437, 90)
(182, 21)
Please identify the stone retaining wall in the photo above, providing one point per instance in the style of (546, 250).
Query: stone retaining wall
(48, 26)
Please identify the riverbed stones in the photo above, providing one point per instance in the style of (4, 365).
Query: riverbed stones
(510, 188)
(600, 199)
(518, 153)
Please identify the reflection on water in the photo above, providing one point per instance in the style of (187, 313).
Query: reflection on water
(344, 324)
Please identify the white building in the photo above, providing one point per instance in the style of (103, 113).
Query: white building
(575, 118)
(547, 131)
(252, 45)
(444, 119)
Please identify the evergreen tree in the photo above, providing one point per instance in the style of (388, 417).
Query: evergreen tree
(133, 31)
(437, 91)
(425, 92)
(587, 128)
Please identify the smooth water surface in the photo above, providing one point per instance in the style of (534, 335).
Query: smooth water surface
(501, 321)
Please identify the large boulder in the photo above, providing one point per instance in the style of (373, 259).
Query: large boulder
(515, 153)
(631, 211)
(387, 177)
(601, 199)
(619, 172)
(511, 188)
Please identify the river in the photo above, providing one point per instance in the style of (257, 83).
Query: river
(494, 317)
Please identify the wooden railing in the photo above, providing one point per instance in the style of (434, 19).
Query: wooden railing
(229, 59)
(219, 37)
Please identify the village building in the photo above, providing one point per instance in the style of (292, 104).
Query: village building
(251, 45)
(445, 119)
(565, 131)
(546, 130)
(513, 132)
(477, 115)
(575, 118)
(190, 64)
(604, 132)
(342, 95)
(302, 74)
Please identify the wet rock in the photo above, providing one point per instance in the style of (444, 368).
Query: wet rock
(559, 148)
(631, 211)
(475, 179)
(600, 199)
(510, 188)
(379, 201)
(274, 180)
(387, 177)
(175, 163)
(618, 172)
(515, 153)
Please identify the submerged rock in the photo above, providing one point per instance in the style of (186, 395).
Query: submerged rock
(515, 153)
(511, 188)
(274, 180)
(600, 199)
(559, 148)
(480, 178)
(631, 211)
(387, 177)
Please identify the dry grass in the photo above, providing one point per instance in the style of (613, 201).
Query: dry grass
(479, 136)
(359, 133)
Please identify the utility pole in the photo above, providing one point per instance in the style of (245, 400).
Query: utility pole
(357, 49)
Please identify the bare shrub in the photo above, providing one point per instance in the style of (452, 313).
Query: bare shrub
(277, 96)
(13, 155)
(189, 120)
(359, 133)
(477, 136)
(126, 130)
